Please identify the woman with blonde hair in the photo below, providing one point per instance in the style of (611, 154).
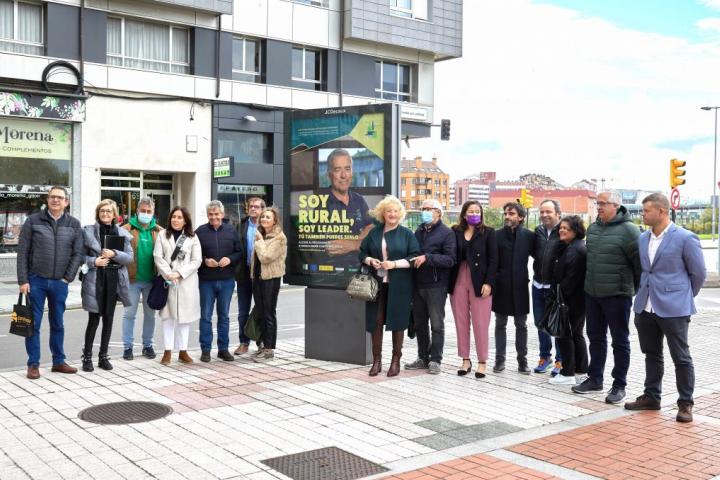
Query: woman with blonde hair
(266, 270)
(178, 257)
(388, 249)
(105, 278)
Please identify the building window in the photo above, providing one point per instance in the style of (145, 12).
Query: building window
(307, 68)
(246, 59)
(245, 147)
(415, 9)
(148, 46)
(393, 81)
(36, 154)
(21, 27)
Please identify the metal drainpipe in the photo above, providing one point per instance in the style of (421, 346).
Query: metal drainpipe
(217, 59)
(82, 39)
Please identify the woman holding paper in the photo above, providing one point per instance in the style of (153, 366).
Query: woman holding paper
(105, 278)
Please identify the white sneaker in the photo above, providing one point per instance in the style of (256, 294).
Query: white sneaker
(580, 377)
(562, 380)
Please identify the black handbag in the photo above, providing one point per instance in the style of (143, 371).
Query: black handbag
(22, 321)
(363, 286)
(556, 319)
(157, 298)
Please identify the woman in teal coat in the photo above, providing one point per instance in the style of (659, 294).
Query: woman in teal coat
(388, 249)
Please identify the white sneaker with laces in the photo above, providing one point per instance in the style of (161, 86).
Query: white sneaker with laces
(562, 380)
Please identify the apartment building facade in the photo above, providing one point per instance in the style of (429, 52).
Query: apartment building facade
(163, 87)
(422, 180)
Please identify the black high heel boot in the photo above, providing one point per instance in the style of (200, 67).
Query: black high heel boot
(104, 362)
(86, 358)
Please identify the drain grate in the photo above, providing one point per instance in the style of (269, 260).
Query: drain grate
(121, 413)
(329, 463)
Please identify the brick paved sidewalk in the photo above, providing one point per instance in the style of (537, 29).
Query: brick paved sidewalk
(230, 418)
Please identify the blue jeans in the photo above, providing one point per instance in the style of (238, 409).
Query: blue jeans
(210, 292)
(129, 313)
(244, 299)
(601, 314)
(539, 300)
(56, 292)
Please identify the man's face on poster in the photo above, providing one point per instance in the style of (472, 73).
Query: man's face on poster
(340, 173)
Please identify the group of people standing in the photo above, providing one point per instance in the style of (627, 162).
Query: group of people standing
(596, 272)
(200, 269)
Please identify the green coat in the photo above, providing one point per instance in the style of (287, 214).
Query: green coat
(613, 262)
(401, 244)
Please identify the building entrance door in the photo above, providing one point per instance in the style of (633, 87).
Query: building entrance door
(128, 187)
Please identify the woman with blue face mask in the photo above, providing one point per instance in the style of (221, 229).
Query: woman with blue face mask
(471, 282)
(431, 278)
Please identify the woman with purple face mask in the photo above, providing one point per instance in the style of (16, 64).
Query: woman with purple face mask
(471, 283)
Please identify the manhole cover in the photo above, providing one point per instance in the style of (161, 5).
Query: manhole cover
(120, 413)
(324, 464)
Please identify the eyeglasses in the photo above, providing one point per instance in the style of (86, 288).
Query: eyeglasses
(604, 204)
(427, 209)
(56, 197)
(105, 210)
(255, 206)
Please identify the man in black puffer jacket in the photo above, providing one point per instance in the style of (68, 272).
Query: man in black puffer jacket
(437, 243)
(546, 240)
(50, 251)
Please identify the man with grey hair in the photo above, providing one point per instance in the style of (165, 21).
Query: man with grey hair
(354, 206)
(144, 231)
(431, 276)
(611, 280)
(221, 250)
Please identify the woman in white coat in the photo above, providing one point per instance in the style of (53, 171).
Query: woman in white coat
(179, 269)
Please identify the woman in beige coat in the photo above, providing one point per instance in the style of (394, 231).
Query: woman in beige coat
(266, 270)
(180, 272)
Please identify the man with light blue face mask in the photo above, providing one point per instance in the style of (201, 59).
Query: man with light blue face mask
(432, 274)
(144, 232)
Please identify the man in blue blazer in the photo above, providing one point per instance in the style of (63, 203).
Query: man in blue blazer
(673, 271)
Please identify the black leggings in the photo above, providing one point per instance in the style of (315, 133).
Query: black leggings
(92, 326)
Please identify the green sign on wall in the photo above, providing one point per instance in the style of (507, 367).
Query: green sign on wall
(35, 139)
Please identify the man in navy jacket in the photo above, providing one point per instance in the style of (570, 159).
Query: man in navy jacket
(673, 271)
(221, 251)
(437, 243)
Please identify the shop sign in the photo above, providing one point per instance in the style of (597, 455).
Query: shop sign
(35, 139)
(243, 189)
(223, 167)
(417, 114)
(30, 105)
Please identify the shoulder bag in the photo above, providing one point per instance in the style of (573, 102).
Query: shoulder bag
(157, 298)
(363, 286)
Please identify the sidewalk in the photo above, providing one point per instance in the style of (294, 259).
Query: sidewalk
(232, 420)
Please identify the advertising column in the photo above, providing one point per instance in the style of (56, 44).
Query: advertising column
(338, 167)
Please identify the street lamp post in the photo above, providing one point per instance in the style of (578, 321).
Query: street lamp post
(714, 223)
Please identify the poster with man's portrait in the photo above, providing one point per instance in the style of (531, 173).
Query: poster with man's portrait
(338, 169)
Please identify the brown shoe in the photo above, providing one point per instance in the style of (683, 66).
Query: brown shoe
(167, 356)
(643, 402)
(63, 368)
(684, 414)
(242, 348)
(185, 358)
(33, 373)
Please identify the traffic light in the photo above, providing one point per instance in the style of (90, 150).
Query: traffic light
(526, 200)
(445, 129)
(677, 170)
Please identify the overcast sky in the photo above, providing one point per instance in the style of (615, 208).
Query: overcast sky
(582, 89)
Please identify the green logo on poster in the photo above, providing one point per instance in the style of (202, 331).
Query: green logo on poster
(371, 131)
